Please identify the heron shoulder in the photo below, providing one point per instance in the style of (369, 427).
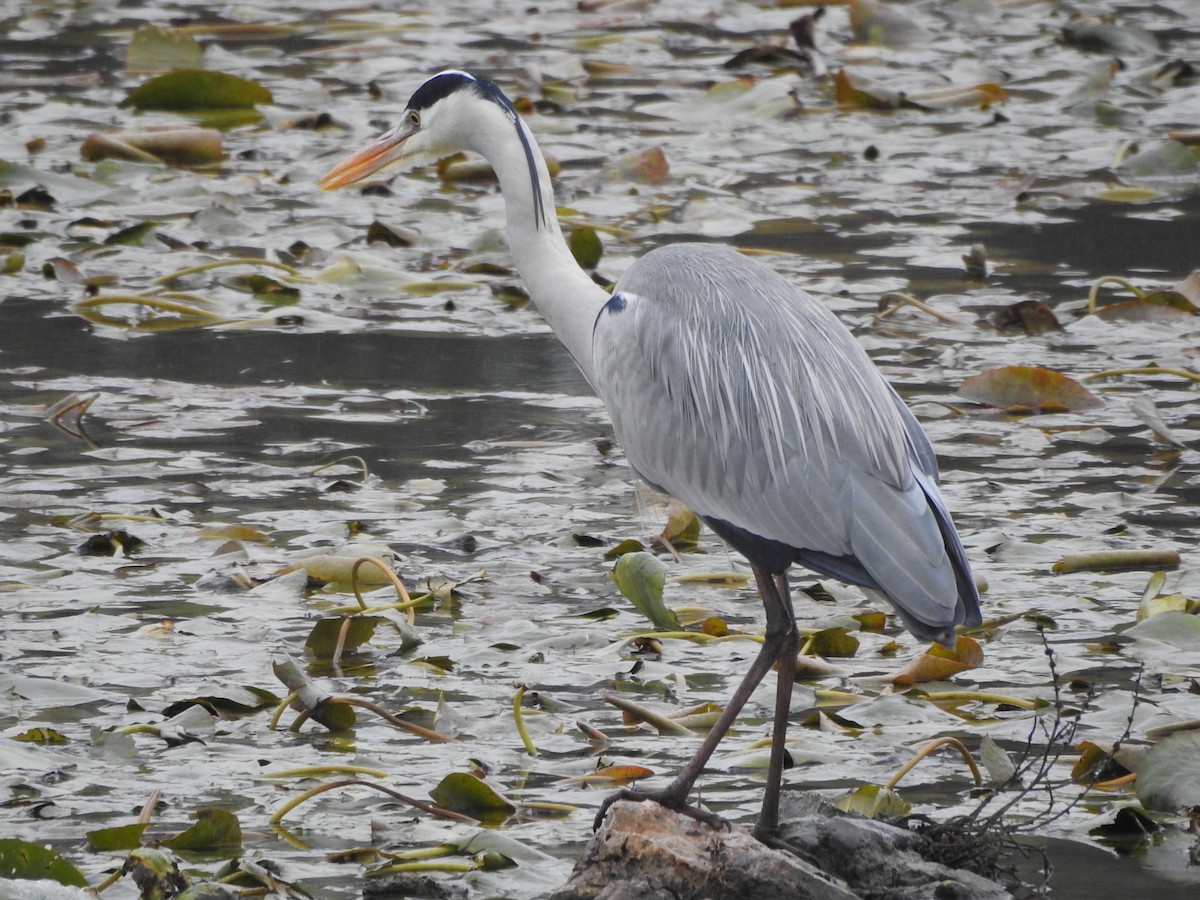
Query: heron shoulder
(745, 357)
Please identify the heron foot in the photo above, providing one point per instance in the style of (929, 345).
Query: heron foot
(666, 798)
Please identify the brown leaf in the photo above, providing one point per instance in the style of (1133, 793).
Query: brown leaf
(648, 167)
(1019, 388)
(1032, 316)
(938, 663)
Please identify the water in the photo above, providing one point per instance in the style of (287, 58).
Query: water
(486, 450)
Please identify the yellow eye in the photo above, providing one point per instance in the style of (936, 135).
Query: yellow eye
(414, 118)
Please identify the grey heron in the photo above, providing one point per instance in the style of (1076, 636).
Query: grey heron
(731, 390)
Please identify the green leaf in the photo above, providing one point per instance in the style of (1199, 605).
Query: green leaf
(26, 861)
(629, 545)
(322, 640)
(471, 796)
(831, 642)
(197, 89)
(874, 802)
(1168, 778)
(640, 578)
(42, 735)
(121, 837)
(585, 246)
(214, 829)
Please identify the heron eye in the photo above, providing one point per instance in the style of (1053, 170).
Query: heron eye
(414, 118)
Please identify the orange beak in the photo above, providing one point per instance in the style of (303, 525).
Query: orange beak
(365, 163)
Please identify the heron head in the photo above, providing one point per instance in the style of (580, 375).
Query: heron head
(436, 123)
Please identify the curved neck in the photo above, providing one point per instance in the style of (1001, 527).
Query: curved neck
(563, 293)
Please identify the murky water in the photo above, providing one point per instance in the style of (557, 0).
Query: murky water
(484, 445)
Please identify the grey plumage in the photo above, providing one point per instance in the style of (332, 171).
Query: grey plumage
(739, 394)
(735, 392)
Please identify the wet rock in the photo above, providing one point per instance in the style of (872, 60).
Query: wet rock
(873, 858)
(645, 852)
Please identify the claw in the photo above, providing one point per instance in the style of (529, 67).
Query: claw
(665, 798)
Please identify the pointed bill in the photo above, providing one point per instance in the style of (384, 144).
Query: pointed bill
(367, 162)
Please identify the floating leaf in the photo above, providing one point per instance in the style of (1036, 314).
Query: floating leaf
(682, 530)
(463, 793)
(323, 639)
(1018, 388)
(236, 701)
(1031, 316)
(42, 736)
(813, 667)
(981, 96)
(647, 167)
(122, 837)
(938, 662)
(266, 289)
(616, 774)
(197, 89)
(854, 90)
(25, 861)
(1175, 629)
(832, 642)
(585, 246)
(640, 578)
(162, 48)
(215, 829)
(629, 545)
(331, 569)
(1169, 778)
(873, 801)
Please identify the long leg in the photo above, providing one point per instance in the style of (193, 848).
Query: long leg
(768, 821)
(780, 641)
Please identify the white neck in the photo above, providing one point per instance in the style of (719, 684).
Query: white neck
(563, 293)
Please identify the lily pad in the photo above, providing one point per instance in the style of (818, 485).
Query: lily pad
(464, 793)
(874, 802)
(1168, 778)
(23, 860)
(215, 829)
(197, 89)
(640, 577)
(1027, 388)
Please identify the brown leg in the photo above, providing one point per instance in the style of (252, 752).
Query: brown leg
(781, 640)
(768, 821)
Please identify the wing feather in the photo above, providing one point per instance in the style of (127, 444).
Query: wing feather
(743, 397)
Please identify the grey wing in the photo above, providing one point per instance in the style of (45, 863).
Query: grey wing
(744, 398)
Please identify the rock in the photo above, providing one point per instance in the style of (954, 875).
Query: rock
(874, 858)
(646, 852)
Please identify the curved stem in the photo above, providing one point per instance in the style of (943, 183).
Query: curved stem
(392, 576)
(1111, 279)
(519, 719)
(928, 749)
(395, 720)
(322, 788)
(221, 263)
